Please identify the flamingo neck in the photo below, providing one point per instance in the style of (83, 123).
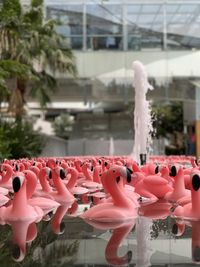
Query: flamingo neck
(77, 165)
(87, 173)
(73, 179)
(96, 173)
(31, 185)
(179, 183)
(44, 183)
(19, 230)
(117, 193)
(195, 201)
(57, 218)
(61, 188)
(20, 199)
(195, 234)
(114, 243)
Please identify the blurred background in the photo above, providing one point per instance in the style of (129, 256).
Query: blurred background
(66, 79)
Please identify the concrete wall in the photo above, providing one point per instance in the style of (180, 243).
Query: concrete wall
(54, 147)
(59, 147)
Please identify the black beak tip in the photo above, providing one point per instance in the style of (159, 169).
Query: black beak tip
(196, 182)
(173, 172)
(16, 252)
(157, 169)
(62, 174)
(50, 174)
(128, 176)
(62, 227)
(16, 184)
(196, 254)
(131, 172)
(175, 229)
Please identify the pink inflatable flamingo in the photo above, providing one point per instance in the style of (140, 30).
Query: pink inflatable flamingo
(20, 209)
(191, 211)
(47, 205)
(72, 183)
(122, 208)
(62, 194)
(44, 175)
(179, 192)
(195, 241)
(157, 210)
(6, 173)
(57, 225)
(178, 230)
(151, 187)
(22, 232)
(88, 182)
(118, 235)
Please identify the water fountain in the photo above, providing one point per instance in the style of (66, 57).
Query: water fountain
(142, 114)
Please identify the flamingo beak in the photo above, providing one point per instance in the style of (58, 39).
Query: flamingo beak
(17, 253)
(173, 171)
(50, 174)
(196, 182)
(62, 174)
(178, 229)
(16, 183)
(128, 176)
(157, 169)
(126, 173)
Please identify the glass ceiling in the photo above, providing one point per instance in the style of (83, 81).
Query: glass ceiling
(179, 19)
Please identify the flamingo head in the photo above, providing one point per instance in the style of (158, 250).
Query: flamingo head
(60, 172)
(174, 170)
(120, 171)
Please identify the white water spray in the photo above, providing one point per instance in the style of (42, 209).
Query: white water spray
(111, 147)
(142, 113)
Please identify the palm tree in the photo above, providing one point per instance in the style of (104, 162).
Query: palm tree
(30, 41)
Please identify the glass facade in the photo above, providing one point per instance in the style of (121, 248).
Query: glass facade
(131, 25)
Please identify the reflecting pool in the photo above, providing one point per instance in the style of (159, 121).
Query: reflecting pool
(69, 241)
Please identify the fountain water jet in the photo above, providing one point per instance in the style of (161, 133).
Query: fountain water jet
(142, 113)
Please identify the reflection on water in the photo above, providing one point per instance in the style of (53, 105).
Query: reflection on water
(65, 240)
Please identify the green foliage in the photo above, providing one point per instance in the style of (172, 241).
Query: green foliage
(19, 140)
(168, 118)
(46, 248)
(10, 68)
(63, 125)
(161, 227)
(30, 48)
(4, 145)
(11, 9)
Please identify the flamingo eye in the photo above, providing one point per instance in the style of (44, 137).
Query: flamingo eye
(113, 171)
